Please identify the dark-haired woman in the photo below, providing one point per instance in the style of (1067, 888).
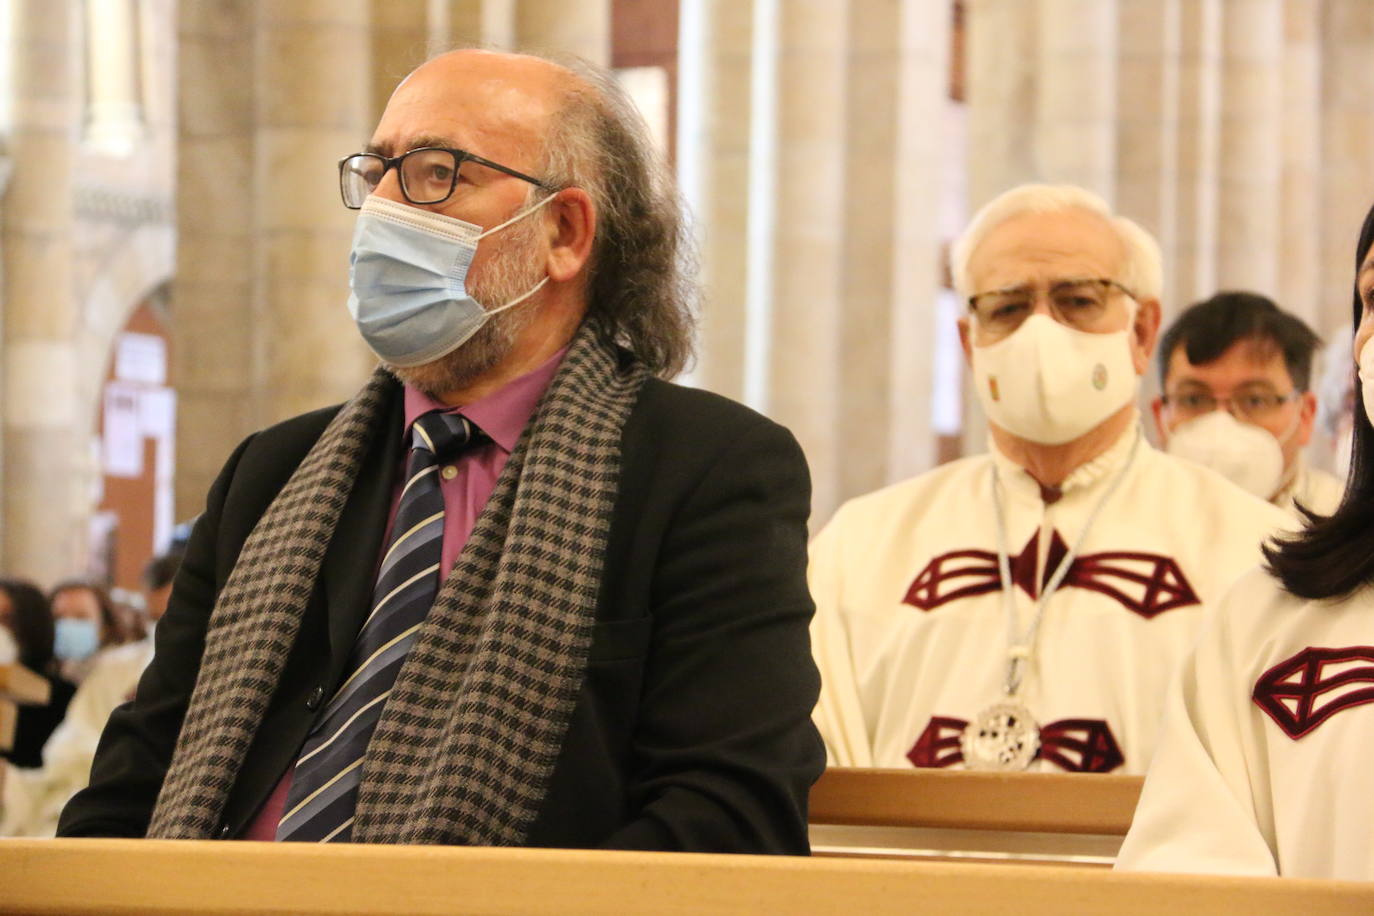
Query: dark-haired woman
(25, 613)
(1264, 764)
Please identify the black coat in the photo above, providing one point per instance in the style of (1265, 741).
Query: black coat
(693, 728)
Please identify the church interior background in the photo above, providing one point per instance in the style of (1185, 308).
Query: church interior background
(173, 252)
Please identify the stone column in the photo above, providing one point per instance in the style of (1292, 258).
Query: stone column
(1002, 67)
(715, 57)
(312, 77)
(1193, 261)
(44, 455)
(1147, 119)
(1299, 245)
(400, 41)
(1347, 170)
(217, 325)
(896, 110)
(1075, 99)
(805, 382)
(582, 28)
(1251, 171)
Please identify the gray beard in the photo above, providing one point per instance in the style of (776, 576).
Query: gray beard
(509, 275)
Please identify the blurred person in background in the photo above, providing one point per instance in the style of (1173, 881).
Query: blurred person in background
(1236, 373)
(33, 799)
(25, 613)
(85, 622)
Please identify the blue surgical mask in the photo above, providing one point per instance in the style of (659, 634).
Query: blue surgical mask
(75, 639)
(408, 272)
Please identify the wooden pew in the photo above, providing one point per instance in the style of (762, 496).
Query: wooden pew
(1071, 818)
(169, 877)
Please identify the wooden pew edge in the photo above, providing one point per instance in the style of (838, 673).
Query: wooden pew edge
(105, 876)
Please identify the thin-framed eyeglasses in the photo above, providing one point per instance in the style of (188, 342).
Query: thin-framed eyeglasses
(1256, 405)
(1080, 303)
(428, 174)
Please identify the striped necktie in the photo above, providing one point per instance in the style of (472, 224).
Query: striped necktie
(324, 787)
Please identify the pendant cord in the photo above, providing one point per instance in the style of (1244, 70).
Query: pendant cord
(1020, 651)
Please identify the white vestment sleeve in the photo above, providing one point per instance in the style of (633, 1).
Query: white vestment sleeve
(839, 715)
(1197, 812)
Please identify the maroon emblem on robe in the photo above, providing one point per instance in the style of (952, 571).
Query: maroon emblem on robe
(1304, 691)
(1075, 745)
(1147, 584)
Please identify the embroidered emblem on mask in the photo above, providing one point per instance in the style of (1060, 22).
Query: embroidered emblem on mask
(1074, 745)
(1099, 376)
(1304, 691)
(1143, 583)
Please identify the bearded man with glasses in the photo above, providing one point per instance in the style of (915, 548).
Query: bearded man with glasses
(520, 590)
(1023, 609)
(1236, 371)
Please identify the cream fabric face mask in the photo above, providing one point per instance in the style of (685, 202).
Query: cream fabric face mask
(1051, 384)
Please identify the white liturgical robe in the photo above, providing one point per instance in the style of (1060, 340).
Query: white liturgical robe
(911, 633)
(1263, 764)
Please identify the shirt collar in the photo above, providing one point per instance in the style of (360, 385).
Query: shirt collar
(1082, 477)
(503, 414)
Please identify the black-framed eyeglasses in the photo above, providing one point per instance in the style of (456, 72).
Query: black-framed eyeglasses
(428, 174)
(1080, 303)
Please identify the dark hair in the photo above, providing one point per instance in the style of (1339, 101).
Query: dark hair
(161, 570)
(110, 629)
(1333, 556)
(31, 622)
(637, 282)
(1209, 328)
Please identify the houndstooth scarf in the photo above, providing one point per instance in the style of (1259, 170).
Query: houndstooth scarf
(475, 721)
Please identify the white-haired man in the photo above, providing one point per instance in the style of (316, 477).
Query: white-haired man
(1024, 608)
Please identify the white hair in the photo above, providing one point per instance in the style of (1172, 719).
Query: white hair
(1142, 272)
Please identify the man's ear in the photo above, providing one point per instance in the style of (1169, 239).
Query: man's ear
(1161, 430)
(571, 226)
(965, 340)
(1307, 415)
(1145, 333)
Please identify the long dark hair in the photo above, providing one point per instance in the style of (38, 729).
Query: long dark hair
(1334, 555)
(31, 622)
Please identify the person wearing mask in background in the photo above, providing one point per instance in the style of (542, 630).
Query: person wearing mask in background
(1236, 374)
(587, 626)
(1023, 609)
(33, 799)
(85, 622)
(1263, 765)
(25, 613)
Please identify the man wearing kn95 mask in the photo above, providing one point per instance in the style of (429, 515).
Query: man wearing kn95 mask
(1236, 371)
(1023, 609)
(520, 590)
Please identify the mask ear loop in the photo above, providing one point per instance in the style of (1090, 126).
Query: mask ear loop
(538, 286)
(517, 217)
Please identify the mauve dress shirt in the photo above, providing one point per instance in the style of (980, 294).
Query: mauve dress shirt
(466, 482)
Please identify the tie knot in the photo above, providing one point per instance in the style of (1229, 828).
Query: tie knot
(443, 434)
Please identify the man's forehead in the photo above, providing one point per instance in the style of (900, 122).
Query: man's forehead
(480, 101)
(1029, 247)
(1245, 361)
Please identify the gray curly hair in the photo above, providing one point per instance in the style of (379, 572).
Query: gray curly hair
(637, 286)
